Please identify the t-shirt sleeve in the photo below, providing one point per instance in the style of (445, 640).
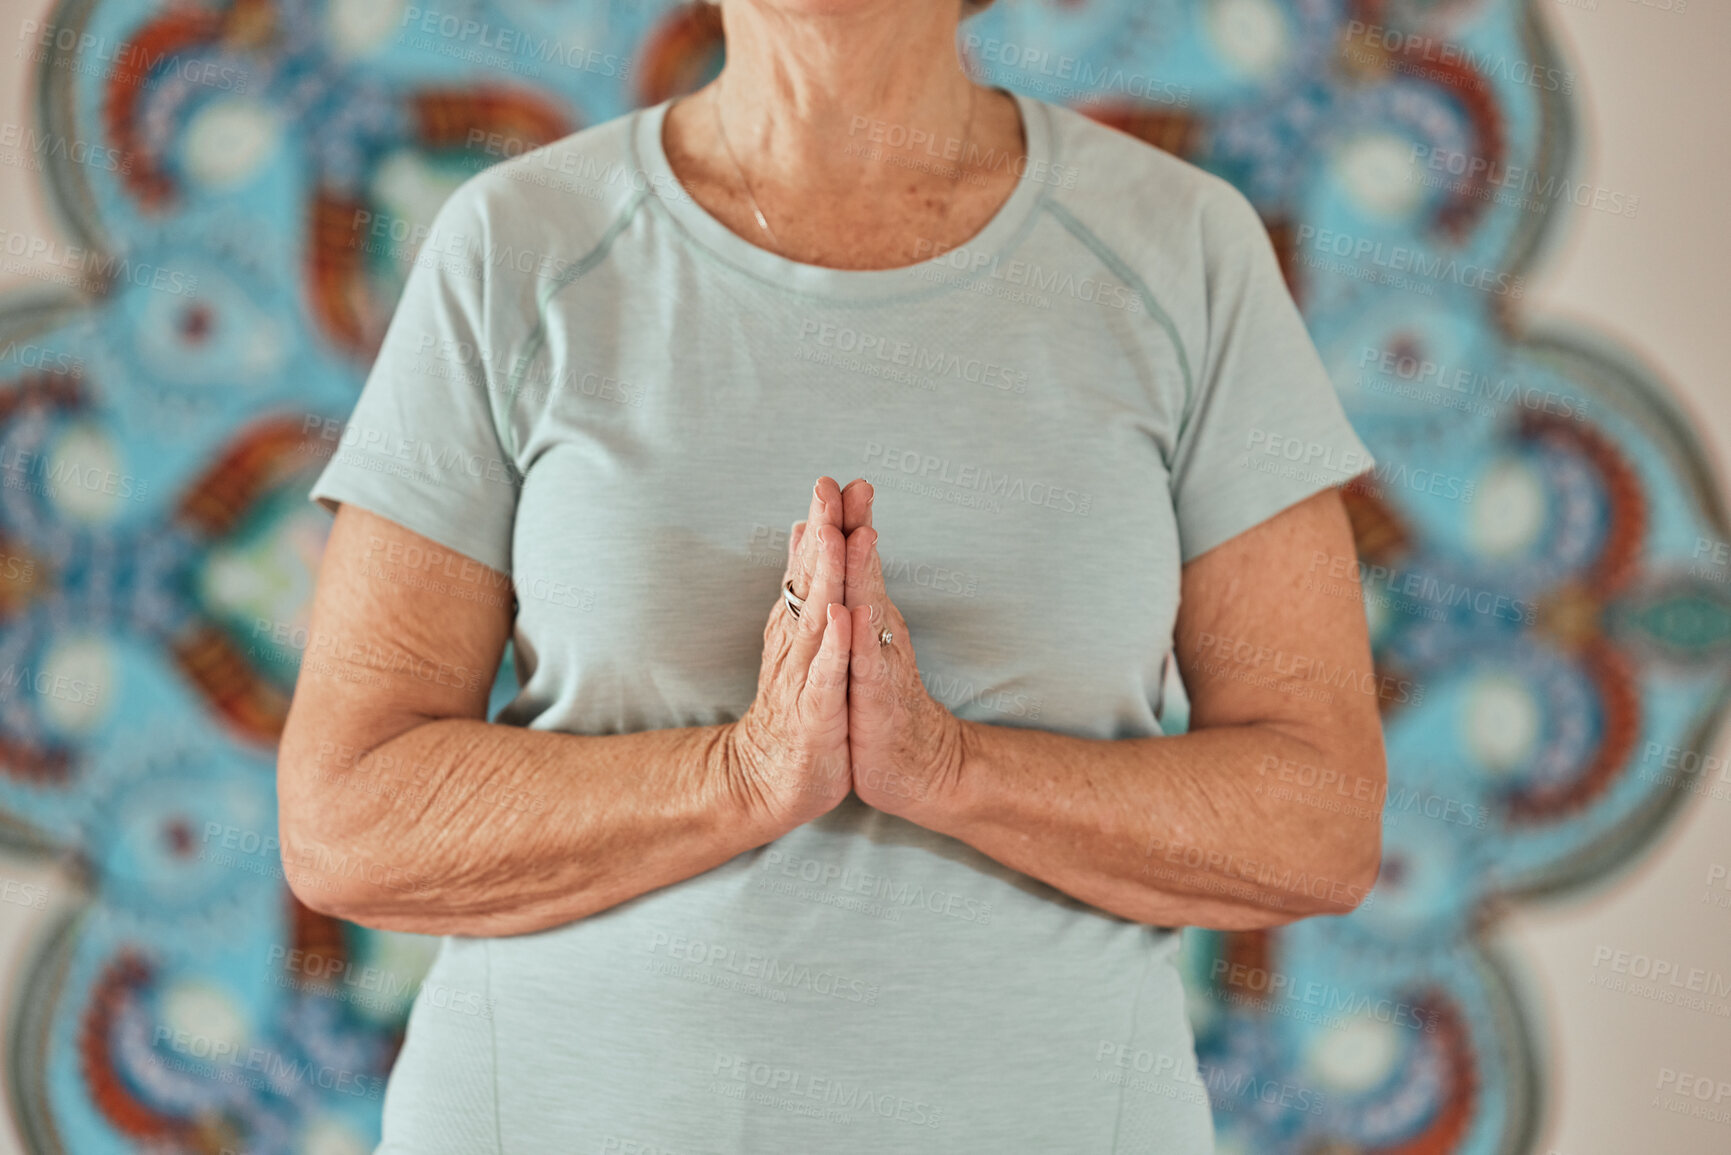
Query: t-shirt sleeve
(1262, 428)
(421, 446)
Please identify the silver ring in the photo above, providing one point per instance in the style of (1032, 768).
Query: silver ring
(795, 603)
(885, 637)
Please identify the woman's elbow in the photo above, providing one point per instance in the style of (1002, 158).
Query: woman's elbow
(1357, 858)
(1357, 875)
(323, 862)
(313, 867)
(327, 833)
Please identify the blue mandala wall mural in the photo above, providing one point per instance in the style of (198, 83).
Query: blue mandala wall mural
(240, 186)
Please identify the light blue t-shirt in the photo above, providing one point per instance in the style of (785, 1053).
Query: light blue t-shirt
(595, 387)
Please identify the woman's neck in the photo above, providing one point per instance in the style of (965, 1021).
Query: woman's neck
(856, 135)
(807, 97)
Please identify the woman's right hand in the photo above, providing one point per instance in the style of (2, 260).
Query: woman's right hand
(789, 750)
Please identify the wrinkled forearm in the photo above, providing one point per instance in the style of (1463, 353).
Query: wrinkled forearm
(1169, 831)
(459, 826)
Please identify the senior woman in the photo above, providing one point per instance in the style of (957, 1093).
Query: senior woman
(860, 836)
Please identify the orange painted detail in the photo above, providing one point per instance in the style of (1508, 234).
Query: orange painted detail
(181, 27)
(680, 53)
(1178, 133)
(258, 461)
(1619, 702)
(1469, 196)
(124, 977)
(1448, 1129)
(500, 122)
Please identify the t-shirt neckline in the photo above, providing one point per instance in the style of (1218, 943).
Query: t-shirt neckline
(958, 263)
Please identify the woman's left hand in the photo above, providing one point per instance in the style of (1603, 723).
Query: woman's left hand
(906, 748)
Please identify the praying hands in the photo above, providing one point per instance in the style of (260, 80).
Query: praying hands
(840, 703)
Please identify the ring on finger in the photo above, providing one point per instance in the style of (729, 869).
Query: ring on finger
(795, 603)
(885, 637)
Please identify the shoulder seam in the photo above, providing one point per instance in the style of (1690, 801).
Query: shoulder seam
(1129, 276)
(537, 336)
